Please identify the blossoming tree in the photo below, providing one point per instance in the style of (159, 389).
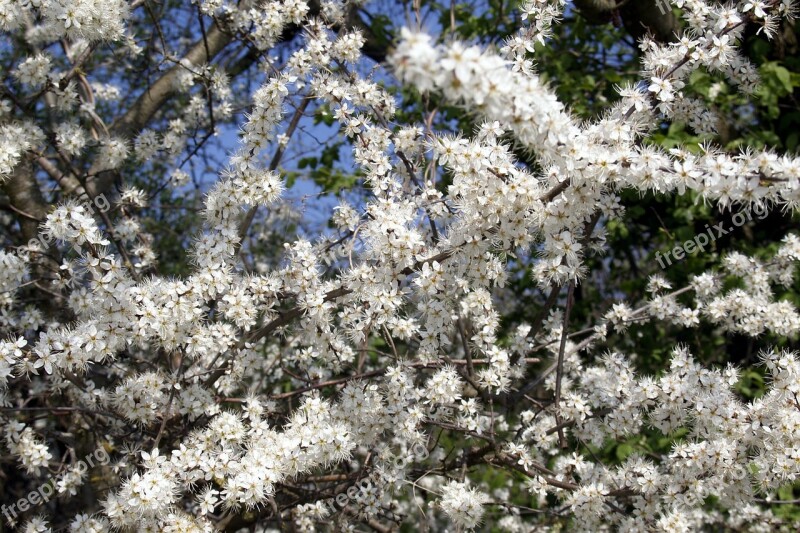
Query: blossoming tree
(421, 355)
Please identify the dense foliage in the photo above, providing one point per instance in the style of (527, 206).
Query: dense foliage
(297, 265)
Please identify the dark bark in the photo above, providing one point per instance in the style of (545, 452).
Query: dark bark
(26, 199)
(639, 17)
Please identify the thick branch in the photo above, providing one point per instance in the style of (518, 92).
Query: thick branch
(148, 104)
(25, 197)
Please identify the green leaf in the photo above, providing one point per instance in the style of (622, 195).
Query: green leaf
(785, 78)
(623, 451)
(777, 77)
(330, 155)
(291, 179)
(307, 162)
(324, 115)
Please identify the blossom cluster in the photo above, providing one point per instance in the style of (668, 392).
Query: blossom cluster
(248, 388)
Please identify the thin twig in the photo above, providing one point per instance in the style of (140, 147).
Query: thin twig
(560, 366)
